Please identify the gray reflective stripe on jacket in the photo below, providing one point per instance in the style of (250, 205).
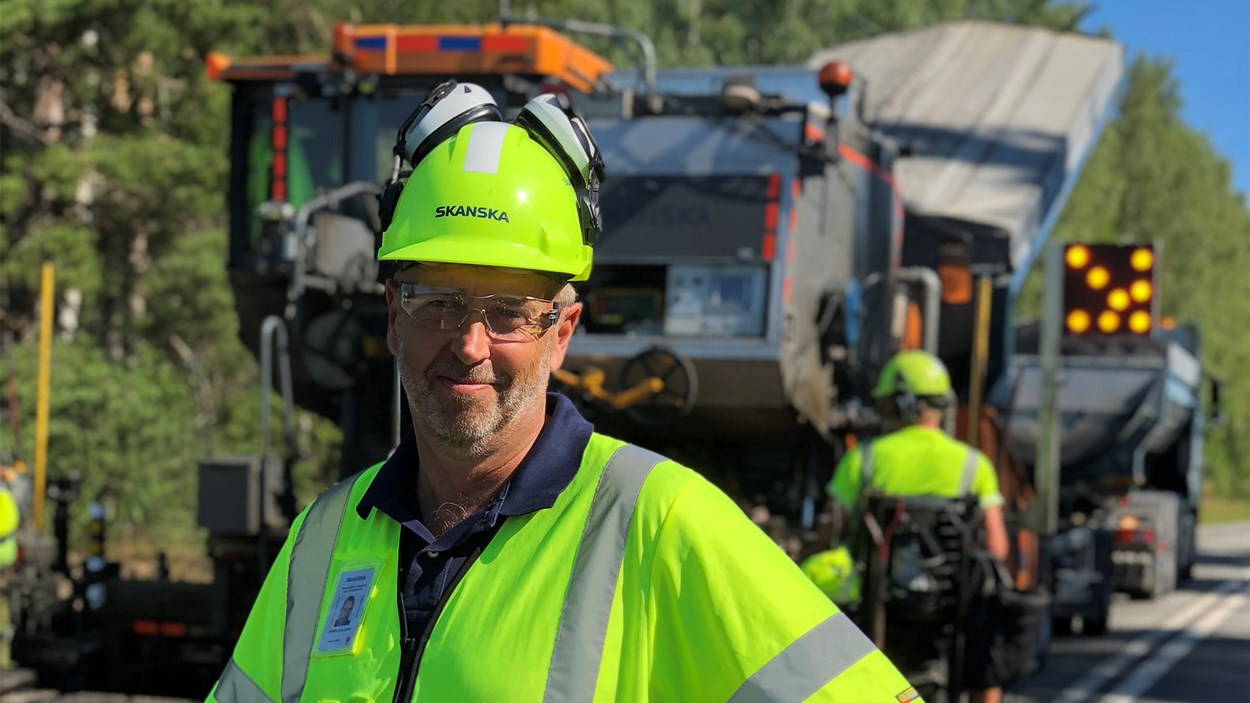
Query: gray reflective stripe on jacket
(583, 625)
(970, 471)
(865, 467)
(965, 480)
(307, 572)
(809, 663)
(234, 686)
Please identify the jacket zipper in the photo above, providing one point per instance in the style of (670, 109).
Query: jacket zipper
(411, 647)
(408, 654)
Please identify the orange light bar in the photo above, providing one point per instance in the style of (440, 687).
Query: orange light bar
(468, 50)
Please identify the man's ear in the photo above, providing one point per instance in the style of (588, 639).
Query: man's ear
(392, 311)
(563, 332)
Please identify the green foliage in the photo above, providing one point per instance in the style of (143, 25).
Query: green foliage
(114, 168)
(146, 459)
(1217, 508)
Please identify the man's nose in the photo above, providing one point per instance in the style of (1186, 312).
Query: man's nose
(472, 341)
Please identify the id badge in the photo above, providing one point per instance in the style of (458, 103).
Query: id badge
(340, 631)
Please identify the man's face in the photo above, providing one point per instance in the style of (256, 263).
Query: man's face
(346, 608)
(465, 389)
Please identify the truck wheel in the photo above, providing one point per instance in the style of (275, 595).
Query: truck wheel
(1166, 572)
(1061, 625)
(1095, 624)
(1095, 627)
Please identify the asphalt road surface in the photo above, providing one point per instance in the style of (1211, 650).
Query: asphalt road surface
(1190, 646)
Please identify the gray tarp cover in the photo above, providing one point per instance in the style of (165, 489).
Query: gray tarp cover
(998, 117)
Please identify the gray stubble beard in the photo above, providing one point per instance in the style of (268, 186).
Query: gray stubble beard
(469, 432)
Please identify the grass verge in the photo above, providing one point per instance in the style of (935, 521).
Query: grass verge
(1216, 508)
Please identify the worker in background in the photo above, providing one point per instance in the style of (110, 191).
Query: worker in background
(505, 550)
(913, 394)
(9, 521)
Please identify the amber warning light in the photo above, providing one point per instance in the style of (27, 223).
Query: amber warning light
(835, 78)
(1108, 289)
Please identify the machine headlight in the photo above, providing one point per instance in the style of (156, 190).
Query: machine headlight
(715, 301)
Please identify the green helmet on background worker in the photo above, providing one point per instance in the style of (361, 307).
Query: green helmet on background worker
(834, 573)
(916, 372)
(514, 195)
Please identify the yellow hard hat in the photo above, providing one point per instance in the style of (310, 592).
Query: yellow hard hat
(833, 572)
(917, 372)
(482, 191)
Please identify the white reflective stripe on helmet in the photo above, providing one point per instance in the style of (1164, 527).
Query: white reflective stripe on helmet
(485, 147)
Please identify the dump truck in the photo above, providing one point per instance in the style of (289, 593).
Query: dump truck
(1129, 433)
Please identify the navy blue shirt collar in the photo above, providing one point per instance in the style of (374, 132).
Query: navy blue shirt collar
(542, 475)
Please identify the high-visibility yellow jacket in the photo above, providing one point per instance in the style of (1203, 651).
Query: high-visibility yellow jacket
(9, 519)
(915, 461)
(642, 583)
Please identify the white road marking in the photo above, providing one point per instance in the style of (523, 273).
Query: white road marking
(1084, 687)
(1151, 670)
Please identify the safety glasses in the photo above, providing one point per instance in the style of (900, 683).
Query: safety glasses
(508, 318)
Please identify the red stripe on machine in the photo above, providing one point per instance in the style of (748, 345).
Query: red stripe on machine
(419, 43)
(774, 186)
(505, 44)
(865, 163)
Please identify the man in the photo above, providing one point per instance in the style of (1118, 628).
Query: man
(345, 612)
(914, 392)
(509, 551)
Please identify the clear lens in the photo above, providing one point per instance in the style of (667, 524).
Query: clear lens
(508, 318)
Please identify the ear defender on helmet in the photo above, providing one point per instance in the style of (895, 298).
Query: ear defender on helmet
(549, 119)
(905, 400)
(439, 117)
